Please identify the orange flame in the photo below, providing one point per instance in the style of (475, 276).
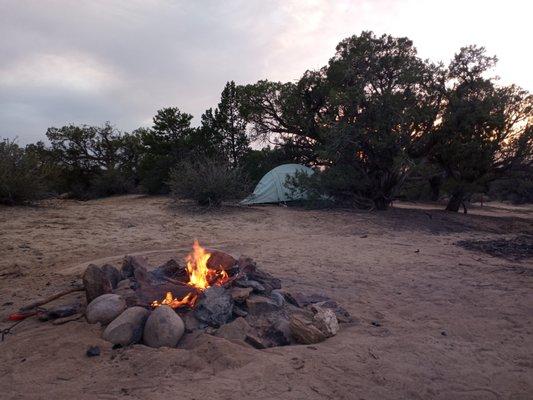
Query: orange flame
(197, 267)
(169, 300)
(200, 277)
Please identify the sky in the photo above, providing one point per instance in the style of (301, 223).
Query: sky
(88, 62)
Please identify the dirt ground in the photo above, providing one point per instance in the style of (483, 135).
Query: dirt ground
(433, 320)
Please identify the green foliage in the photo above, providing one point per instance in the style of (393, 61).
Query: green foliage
(424, 183)
(288, 114)
(485, 129)
(516, 187)
(378, 122)
(377, 110)
(92, 161)
(21, 180)
(227, 127)
(172, 140)
(164, 145)
(207, 182)
(364, 115)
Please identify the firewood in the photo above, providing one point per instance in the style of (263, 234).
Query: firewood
(53, 297)
(61, 321)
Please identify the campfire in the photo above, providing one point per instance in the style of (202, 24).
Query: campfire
(211, 293)
(201, 277)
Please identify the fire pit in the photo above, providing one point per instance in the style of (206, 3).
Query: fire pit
(212, 293)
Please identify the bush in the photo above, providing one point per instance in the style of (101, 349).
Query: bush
(334, 186)
(110, 183)
(516, 188)
(208, 182)
(20, 177)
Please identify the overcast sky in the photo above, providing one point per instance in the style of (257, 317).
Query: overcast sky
(94, 61)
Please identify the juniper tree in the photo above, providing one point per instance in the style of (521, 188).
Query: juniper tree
(485, 129)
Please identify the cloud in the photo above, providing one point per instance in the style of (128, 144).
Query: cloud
(75, 71)
(121, 60)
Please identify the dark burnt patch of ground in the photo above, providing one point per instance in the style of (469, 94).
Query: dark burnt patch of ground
(518, 248)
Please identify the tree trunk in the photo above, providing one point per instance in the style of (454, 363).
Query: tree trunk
(382, 203)
(435, 183)
(456, 200)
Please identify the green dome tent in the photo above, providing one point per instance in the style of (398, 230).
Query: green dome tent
(272, 189)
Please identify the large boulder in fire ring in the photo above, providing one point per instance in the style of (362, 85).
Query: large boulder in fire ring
(215, 307)
(105, 308)
(112, 274)
(96, 283)
(128, 327)
(164, 328)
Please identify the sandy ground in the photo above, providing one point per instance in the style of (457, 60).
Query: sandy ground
(455, 324)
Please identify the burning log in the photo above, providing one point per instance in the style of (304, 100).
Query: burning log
(146, 293)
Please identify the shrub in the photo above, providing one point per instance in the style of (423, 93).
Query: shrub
(207, 182)
(334, 186)
(20, 177)
(111, 182)
(516, 188)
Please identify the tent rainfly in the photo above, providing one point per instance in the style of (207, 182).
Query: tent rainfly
(272, 187)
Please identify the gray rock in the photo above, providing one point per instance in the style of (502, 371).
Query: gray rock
(95, 282)
(170, 269)
(260, 304)
(215, 307)
(239, 312)
(112, 274)
(264, 278)
(191, 323)
(302, 300)
(135, 266)
(93, 351)
(247, 283)
(129, 295)
(240, 294)
(277, 297)
(125, 284)
(163, 328)
(105, 308)
(235, 330)
(128, 327)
